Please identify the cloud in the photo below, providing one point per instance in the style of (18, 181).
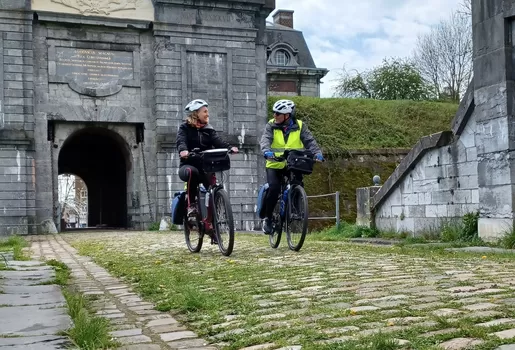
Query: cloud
(359, 34)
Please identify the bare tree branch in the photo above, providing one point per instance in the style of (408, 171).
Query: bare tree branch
(444, 56)
(465, 8)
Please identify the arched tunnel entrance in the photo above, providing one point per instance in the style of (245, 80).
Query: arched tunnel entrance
(101, 158)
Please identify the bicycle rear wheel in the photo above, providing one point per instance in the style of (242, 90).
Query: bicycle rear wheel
(277, 226)
(223, 222)
(297, 218)
(193, 233)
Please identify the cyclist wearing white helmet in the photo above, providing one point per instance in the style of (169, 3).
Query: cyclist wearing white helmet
(196, 132)
(283, 132)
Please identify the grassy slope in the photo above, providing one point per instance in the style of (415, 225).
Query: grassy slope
(340, 124)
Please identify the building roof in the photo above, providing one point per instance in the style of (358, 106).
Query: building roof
(279, 33)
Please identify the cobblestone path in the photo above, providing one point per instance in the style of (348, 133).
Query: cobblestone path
(324, 294)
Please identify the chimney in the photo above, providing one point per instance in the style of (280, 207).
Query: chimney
(284, 18)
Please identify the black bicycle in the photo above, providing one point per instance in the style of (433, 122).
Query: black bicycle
(291, 210)
(214, 197)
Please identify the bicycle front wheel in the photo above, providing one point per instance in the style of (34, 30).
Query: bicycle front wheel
(297, 218)
(223, 222)
(193, 234)
(277, 227)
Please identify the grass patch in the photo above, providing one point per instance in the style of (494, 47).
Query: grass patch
(88, 332)
(62, 273)
(16, 244)
(344, 232)
(154, 226)
(508, 239)
(374, 342)
(464, 230)
(456, 233)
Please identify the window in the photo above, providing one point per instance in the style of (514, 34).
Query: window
(282, 58)
(282, 86)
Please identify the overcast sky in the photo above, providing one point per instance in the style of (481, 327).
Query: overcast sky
(359, 34)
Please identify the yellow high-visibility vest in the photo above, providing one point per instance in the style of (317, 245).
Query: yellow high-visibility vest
(278, 145)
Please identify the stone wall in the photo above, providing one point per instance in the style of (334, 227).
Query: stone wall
(189, 51)
(471, 167)
(442, 184)
(17, 168)
(235, 67)
(436, 182)
(241, 182)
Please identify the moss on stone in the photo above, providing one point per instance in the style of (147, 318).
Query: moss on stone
(344, 176)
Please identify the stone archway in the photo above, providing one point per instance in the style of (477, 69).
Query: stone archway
(101, 158)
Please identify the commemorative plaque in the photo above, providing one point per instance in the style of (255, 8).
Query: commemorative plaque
(94, 69)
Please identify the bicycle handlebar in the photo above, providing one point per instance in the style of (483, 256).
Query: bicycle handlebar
(285, 155)
(197, 152)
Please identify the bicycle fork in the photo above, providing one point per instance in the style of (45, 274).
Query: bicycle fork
(209, 209)
(285, 196)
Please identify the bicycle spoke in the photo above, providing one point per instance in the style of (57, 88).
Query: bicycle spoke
(275, 238)
(224, 224)
(297, 220)
(192, 234)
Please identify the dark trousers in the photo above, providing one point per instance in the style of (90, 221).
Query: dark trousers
(274, 178)
(193, 177)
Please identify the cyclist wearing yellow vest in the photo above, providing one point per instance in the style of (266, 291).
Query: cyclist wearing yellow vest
(282, 132)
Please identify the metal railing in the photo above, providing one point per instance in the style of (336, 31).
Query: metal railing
(337, 207)
(250, 216)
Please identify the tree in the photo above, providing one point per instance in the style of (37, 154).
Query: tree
(465, 8)
(395, 79)
(444, 55)
(70, 200)
(353, 86)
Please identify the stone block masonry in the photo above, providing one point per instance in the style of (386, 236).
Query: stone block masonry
(443, 184)
(476, 174)
(103, 99)
(17, 170)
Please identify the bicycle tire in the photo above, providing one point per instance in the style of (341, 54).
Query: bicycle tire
(277, 224)
(221, 195)
(303, 198)
(194, 248)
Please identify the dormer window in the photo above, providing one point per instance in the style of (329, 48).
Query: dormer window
(282, 58)
(282, 54)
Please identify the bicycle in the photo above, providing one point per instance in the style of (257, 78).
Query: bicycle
(215, 196)
(292, 204)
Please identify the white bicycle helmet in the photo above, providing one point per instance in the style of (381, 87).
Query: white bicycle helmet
(195, 105)
(283, 106)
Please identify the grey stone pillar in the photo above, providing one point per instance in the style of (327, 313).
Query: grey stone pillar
(494, 99)
(364, 214)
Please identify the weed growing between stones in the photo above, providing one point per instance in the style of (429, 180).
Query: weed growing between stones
(88, 331)
(16, 244)
(458, 232)
(343, 232)
(508, 239)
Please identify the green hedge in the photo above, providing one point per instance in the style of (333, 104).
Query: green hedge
(340, 124)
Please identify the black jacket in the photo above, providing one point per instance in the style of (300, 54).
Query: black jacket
(189, 137)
